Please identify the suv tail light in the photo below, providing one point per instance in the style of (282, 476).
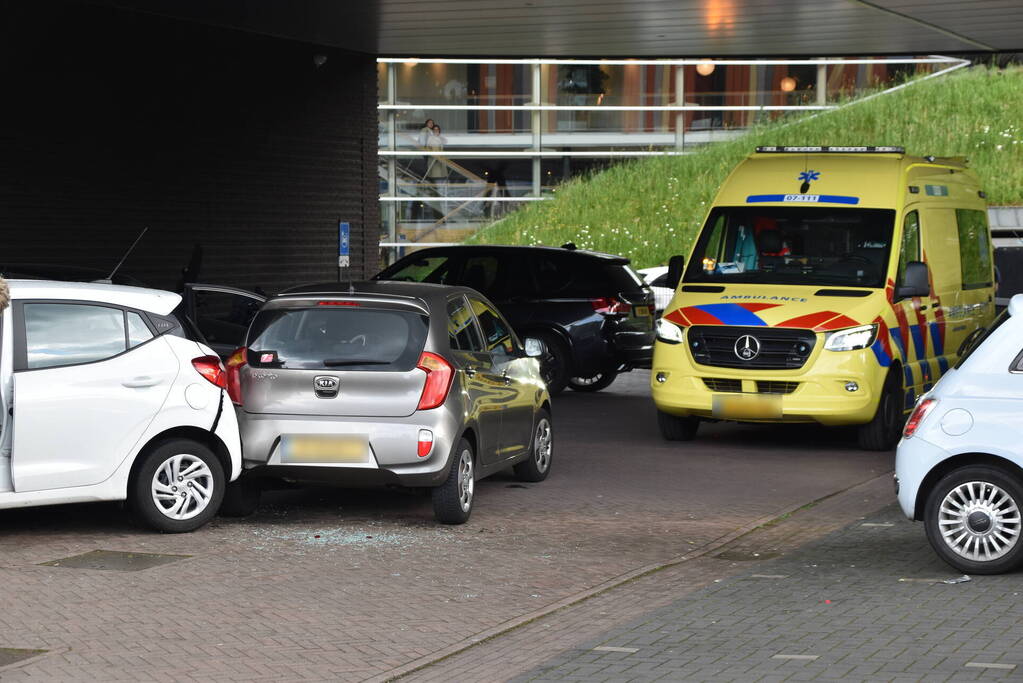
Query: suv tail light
(234, 366)
(609, 305)
(919, 413)
(211, 369)
(439, 374)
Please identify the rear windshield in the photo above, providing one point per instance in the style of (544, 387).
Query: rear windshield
(339, 338)
(567, 275)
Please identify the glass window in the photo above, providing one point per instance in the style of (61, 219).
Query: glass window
(435, 269)
(462, 330)
(138, 331)
(223, 317)
(910, 242)
(496, 335)
(480, 273)
(974, 248)
(573, 276)
(69, 334)
(342, 337)
(794, 245)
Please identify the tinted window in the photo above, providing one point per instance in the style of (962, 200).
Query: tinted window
(223, 317)
(576, 276)
(498, 275)
(463, 333)
(974, 247)
(337, 337)
(138, 331)
(496, 335)
(435, 269)
(794, 245)
(68, 334)
(910, 242)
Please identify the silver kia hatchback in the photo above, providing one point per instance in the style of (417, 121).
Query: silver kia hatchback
(387, 383)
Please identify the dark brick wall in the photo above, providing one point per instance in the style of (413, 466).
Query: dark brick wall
(111, 121)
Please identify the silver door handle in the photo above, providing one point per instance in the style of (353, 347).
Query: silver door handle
(471, 371)
(140, 382)
(507, 379)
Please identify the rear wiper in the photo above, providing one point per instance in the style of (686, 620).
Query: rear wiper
(338, 362)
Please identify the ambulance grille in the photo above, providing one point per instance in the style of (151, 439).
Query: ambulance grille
(723, 384)
(775, 387)
(780, 348)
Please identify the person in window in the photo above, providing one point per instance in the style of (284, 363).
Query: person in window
(424, 134)
(437, 171)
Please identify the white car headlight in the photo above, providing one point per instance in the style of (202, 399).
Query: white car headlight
(852, 338)
(668, 332)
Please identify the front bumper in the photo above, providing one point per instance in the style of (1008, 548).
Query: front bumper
(392, 447)
(814, 393)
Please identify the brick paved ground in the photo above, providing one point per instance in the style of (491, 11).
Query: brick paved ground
(336, 585)
(889, 619)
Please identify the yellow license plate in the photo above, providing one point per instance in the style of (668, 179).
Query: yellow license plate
(746, 407)
(324, 449)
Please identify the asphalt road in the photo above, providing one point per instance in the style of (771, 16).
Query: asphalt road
(332, 584)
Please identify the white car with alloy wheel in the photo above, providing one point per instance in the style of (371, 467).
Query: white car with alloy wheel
(107, 394)
(959, 466)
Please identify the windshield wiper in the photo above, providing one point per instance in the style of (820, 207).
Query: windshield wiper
(338, 362)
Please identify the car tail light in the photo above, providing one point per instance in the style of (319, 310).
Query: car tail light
(425, 443)
(235, 362)
(608, 305)
(439, 374)
(919, 413)
(211, 369)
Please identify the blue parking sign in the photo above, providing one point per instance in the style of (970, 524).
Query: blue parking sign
(343, 240)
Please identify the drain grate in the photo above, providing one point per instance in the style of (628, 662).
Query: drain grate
(114, 560)
(13, 655)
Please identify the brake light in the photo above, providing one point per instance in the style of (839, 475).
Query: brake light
(338, 303)
(234, 370)
(211, 369)
(919, 413)
(425, 444)
(439, 374)
(608, 305)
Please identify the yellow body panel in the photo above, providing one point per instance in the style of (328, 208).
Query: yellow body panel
(918, 338)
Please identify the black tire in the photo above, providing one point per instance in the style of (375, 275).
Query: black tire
(189, 454)
(989, 483)
(675, 428)
(241, 497)
(884, 430)
(602, 380)
(555, 363)
(449, 503)
(537, 465)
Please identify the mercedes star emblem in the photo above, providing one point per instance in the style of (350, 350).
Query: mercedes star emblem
(747, 347)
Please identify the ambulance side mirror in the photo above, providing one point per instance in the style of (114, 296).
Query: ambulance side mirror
(915, 281)
(675, 266)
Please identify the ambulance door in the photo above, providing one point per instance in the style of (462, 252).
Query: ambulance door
(976, 267)
(944, 322)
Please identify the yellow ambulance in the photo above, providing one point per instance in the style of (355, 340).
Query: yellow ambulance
(828, 284)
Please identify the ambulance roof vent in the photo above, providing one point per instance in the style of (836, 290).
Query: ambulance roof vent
(834, 150)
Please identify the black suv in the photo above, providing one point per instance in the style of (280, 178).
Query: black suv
(591, 310)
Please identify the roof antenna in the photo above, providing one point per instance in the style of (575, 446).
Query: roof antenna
(110, 278)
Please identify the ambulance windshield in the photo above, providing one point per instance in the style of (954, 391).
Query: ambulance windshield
(794, 246)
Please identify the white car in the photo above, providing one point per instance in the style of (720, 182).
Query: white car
(959, 466)
(107, 395)
(657, 277)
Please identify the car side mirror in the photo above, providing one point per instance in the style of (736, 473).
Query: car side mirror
(915, 281)
(675, 266)
(534, 348)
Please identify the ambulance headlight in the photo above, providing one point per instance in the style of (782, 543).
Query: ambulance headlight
(668, 332)
(851, 339)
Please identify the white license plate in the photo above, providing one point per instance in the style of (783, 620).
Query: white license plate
(316, 449)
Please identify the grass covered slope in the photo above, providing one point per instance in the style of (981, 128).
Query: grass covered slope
(651, 208)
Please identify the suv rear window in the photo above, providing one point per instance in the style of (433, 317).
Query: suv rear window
(337, 338)
(567, 275)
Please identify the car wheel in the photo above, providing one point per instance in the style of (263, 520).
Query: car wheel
(241, 498)
(538, 465)
(675, 428)
(882, 432)
(452, 500)
(972, 518)
(601, 380)
(178, 487)
(554, 363)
